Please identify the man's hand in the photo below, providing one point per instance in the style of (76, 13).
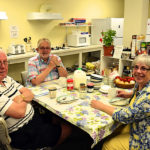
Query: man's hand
(26, 94)
(18, 99)
(55, 60)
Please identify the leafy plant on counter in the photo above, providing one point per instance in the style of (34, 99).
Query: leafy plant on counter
(108, 37)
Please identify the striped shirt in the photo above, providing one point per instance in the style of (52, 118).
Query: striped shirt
(7, 94)
(36, 66)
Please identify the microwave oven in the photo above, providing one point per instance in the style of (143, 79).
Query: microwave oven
(77, 40)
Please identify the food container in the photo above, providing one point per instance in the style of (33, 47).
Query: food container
(70, 86)
(52, 92)
(82, 91)
(90, 87)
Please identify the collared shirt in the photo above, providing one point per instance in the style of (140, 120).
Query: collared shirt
(138, 116)
(36, 65)
(7, 94)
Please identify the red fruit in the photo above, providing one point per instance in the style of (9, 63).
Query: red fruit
(129, 80)
(132, 78)
(117, 77)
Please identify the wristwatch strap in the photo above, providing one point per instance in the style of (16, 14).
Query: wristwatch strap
(58, 66)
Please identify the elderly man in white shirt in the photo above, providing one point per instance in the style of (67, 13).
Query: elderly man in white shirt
(27, 129)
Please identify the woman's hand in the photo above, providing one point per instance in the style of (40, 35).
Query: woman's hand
(124, 94)
(96, 104)
(102, 107)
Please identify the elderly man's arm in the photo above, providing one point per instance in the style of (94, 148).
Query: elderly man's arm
(17, 109)
(58, 63)
(62, 71)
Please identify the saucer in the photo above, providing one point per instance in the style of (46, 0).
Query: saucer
(65, 99)
(105, 92)
(104, 88)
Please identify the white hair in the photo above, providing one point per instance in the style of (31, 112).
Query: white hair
(143, 58)
(43, 40)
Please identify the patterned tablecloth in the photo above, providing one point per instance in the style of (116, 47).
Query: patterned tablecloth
(96, 123)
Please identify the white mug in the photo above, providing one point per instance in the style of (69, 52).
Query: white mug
(112, 92)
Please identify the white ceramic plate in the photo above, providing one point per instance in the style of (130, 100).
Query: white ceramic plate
(96, 76)
(104, 88)
(105, 92)
(118, 101)
(65, 99)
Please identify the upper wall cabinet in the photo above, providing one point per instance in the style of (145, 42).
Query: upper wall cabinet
(44, 16)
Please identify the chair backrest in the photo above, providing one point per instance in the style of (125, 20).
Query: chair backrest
(24, 75)
(4, 136)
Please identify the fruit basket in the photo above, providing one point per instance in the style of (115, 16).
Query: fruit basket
(125, 83)
(124, 86)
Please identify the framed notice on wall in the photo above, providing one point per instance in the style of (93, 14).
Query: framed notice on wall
(118, 51)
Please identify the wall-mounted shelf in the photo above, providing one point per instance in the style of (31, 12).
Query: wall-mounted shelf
(44, 16)
(69, 24)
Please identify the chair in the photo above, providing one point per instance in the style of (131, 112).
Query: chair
(24, 75)
(4, 136)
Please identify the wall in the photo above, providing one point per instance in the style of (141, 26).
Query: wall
(135, 23)
(17, 11)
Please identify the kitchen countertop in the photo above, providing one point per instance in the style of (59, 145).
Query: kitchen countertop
(12, 59)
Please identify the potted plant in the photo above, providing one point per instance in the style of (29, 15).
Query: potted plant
(108, 38)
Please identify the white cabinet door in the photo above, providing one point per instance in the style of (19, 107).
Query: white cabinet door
(148, 27)
(118, 41)
(117, 25)
(98, 25)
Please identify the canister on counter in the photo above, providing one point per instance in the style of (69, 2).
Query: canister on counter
(90, 87)
(82, 91)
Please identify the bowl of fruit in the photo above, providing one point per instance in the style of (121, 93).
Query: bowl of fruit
(125, 83)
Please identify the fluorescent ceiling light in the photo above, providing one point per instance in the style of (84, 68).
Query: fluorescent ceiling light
(3, 16)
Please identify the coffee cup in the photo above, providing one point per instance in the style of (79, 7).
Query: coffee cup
(112, 92)
(52, 92)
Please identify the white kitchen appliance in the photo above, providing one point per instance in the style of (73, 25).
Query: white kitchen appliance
(147, 38)
(16, 49)
(78, 39)
(99, 25)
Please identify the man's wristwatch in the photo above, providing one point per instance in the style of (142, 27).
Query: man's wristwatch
(58, 66)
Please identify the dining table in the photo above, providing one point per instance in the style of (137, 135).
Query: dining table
(78, 111)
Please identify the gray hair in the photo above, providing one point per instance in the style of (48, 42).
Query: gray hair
(43, 40)
(143, 58)
(2, 51)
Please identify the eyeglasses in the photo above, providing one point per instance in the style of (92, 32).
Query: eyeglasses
(3, 62)
(143, 69)
(43, 48)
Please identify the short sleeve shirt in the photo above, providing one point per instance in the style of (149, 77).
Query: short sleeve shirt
(36, 65)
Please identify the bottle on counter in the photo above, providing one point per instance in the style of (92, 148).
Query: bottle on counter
(79, 77)
(70, 86)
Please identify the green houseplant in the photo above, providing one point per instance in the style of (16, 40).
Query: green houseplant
(108, 38)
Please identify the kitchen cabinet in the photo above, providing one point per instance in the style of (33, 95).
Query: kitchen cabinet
(13, 59)
(106, 61)
(109, 61)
